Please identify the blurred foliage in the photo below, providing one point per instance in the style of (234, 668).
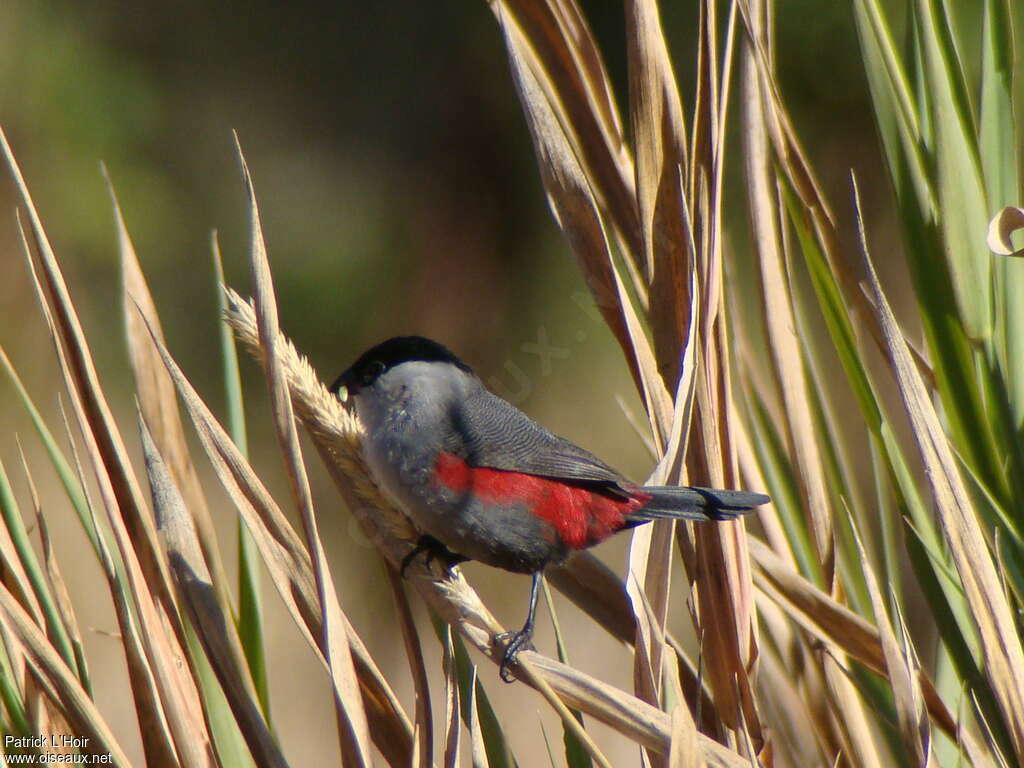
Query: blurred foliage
(386, 141)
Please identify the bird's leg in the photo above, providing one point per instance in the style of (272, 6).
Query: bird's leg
(518, 640)
(435, 551)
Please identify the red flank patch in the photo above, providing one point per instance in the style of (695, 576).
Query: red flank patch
(580, 516)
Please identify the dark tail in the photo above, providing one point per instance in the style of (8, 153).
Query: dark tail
(678, 503)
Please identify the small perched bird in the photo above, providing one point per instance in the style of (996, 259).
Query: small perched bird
(483, 481)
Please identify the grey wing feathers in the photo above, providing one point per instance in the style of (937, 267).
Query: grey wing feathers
(496, 434)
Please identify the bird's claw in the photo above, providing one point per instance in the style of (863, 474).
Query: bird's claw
(435, 551)
(514, 643)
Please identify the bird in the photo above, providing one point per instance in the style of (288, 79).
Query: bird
(483, 481)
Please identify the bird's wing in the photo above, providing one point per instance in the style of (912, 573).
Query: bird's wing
(493, 433)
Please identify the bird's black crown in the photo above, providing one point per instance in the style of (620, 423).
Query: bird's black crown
(402, 349)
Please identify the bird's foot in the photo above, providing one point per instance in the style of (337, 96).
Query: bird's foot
(434, 550)
(514, 643)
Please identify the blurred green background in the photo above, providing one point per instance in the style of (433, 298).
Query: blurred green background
(399, 194)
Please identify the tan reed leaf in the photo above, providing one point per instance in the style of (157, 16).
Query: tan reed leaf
(162, 641)
(575, 208)
(478, 748)
(562, 46)
(983, 588)
(823, 617)
(850, 723)
(659, 146)
(64, 687)
(285, 557)
(352, 723)
(124, 485)
(684, 751)
(901, 667)
(157, 743)
(424, 731)
(452, 708)
(216, 631)
(155, 393)
(1002, 226)
(789, 370)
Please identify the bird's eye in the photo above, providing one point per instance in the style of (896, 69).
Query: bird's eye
(373, 372)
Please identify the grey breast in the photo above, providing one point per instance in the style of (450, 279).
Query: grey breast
(417, 410)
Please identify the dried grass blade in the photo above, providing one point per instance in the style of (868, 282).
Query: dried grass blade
(594, 588)
(561, 45)
(476, 735)
(250, 600)
(334, 641)
(157, 743)
(414, 652)
(452, 707)
(793, 705)
(572, 201)
(335, 434)
(650, 552)
(123, 483)
(155, 392)
(800, 173)
(901, 668)
(659, 145)
(199, 596)
(853, 732)
(179, 696)
(684, 749)
(1001, 228)
(288, 562)
(569, 721)
(74, 702)
(716, 556)
(1001, 646)
(780, 320)
(704, 173)
(75, 493)
(832, 622)
(58, 587)
(640, 721)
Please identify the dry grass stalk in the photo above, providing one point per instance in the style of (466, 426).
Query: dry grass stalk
(352, 724)
(983, 587)
(156, 394)
(201, 602)
(289, 565)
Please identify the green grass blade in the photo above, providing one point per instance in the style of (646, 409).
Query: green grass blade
(1002, 182)
(996, 127)
(55, 629)
(903, 126)
(499, 754)
(10, 694)
(962, 199)
(57, 459)
(576, 755)
(786, 497)
(250, 606)
(227, 737)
